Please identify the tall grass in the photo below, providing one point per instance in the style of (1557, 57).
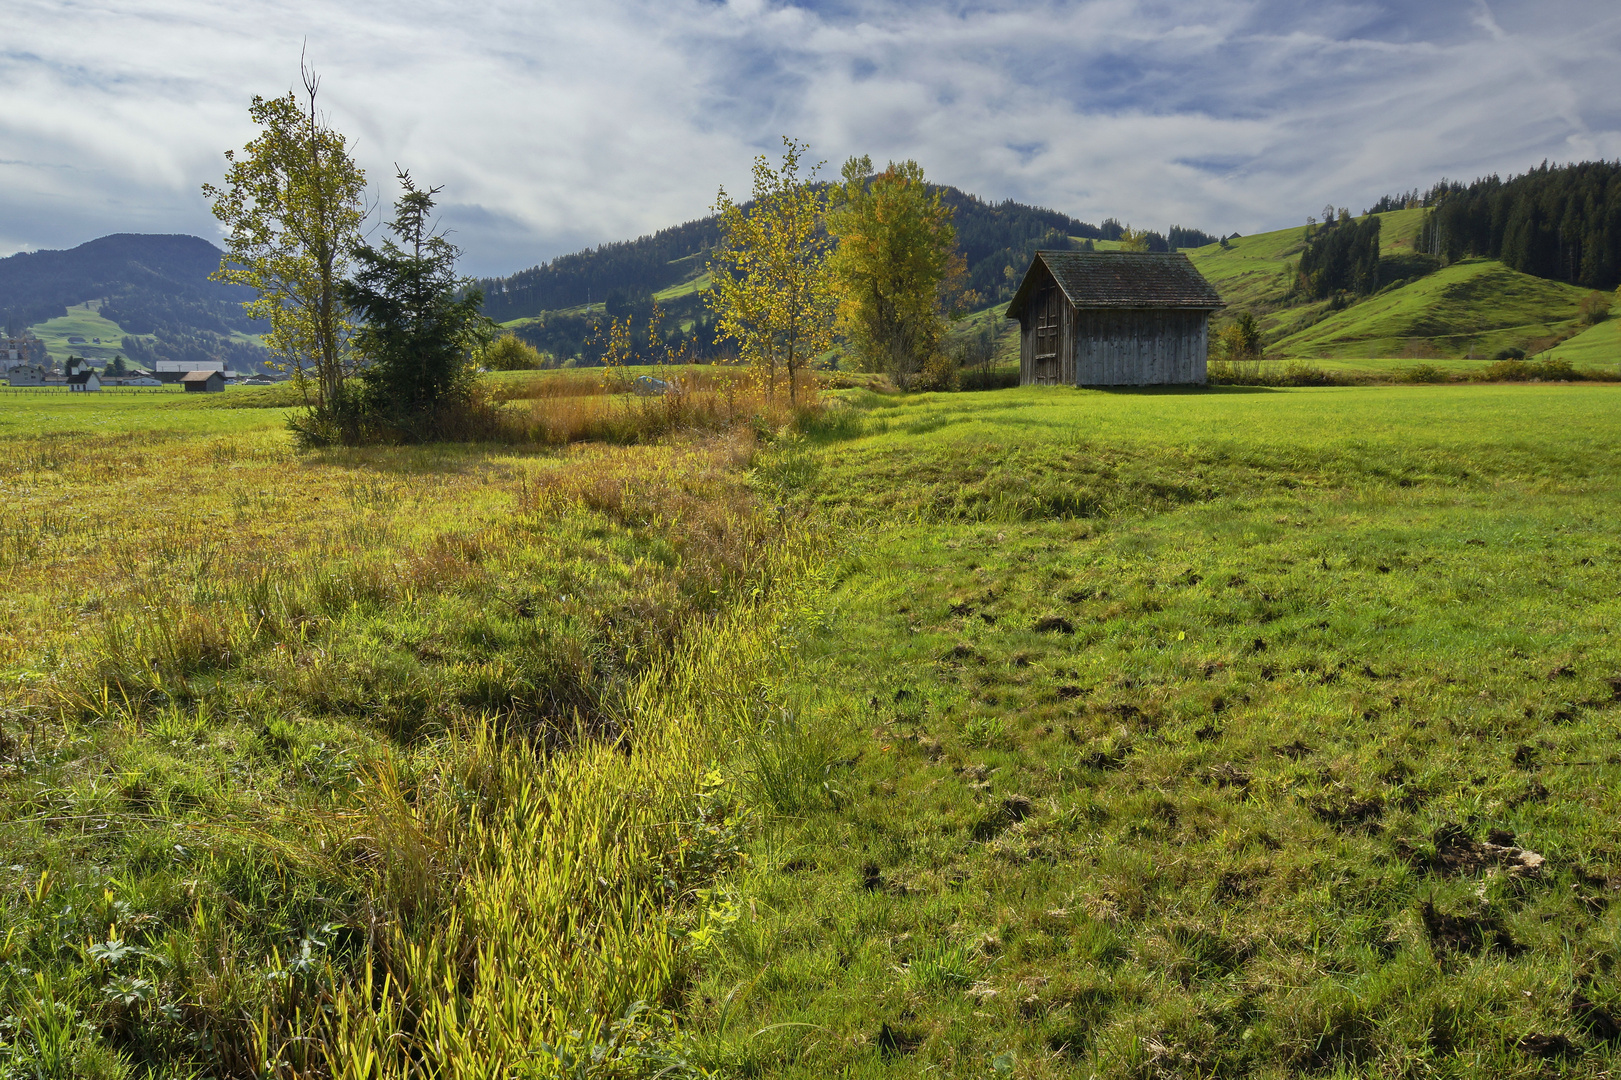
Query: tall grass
(392, 762)
(555, 411)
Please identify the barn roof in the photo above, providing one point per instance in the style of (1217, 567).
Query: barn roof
(199, 376)
(1121, 279)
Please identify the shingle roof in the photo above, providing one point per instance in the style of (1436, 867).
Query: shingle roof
(1122, 279)
(199, 376)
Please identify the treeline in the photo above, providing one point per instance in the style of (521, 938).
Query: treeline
(686, 329)
(1342, 256)
(646, 264)
(1557, 222)
(182, 343)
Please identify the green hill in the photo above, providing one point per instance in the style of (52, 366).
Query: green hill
(1472, 308)
(149, 297)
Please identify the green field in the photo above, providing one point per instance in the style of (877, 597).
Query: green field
(1033, 733)
(81, 320)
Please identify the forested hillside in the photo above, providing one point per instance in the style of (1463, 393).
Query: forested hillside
(1557, 222)
(155, 288)
(996, 240)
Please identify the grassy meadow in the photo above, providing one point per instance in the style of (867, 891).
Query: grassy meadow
(81, 320)
(1033, 733)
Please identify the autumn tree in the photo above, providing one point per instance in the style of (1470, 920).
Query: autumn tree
(292, 204)
(1133, 239)
(770, 291)
(896, 271)
(1241, 339)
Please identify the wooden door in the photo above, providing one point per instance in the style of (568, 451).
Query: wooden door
(1044, 356)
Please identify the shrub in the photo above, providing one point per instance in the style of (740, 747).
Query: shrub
(1423, 373)
(1594, 308)
(511, 353)
(939, 373)
(1509, 354)
(1272, 373)
(1553, 369)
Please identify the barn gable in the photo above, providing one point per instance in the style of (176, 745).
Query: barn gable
(1113, 318)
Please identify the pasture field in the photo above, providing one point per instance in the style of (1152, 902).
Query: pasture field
(1188, 734)
(82, 320)
(1034, 733)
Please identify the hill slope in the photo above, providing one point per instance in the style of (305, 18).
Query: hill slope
(154, 290)
(991, 237)
(1471, 308)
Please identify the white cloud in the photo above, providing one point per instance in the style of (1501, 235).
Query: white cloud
(556, 125)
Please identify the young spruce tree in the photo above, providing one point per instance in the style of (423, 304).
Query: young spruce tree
(420, 328)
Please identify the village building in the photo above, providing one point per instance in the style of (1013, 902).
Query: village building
(24, 351)
(85, 380)
(27, 375)
(203, 381)
(1113, 318)
(174, 370)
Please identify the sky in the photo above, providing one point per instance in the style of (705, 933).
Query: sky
(556, 126)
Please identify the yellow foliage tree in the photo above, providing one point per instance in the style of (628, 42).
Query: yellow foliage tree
(896, 270)
(292, 205)
(1134, 239)
(770, 292)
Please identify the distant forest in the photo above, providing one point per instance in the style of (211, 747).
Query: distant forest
(1561, 222)
(996, 240)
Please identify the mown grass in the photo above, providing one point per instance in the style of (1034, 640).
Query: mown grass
(82, 320)
(1164, 734)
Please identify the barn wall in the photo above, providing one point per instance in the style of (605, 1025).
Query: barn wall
(1136, 347)
(1026, 346)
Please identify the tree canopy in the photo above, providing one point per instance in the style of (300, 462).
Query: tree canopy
(771, 291)
(292, 205)
(896, 270)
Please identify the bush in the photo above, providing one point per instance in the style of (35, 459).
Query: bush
(939, 373)
(1512, 370)
(1509, 354)
(511, 353)
(1423, 373)
(1271, 373)
(1594, 308)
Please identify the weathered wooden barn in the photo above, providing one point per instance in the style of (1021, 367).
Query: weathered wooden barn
(1112, 318)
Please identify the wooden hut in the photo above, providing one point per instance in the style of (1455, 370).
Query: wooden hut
(204, 382)
(1112, 318)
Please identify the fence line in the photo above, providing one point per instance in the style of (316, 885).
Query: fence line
(103, 390)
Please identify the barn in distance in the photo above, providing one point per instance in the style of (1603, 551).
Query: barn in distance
(1113, 318)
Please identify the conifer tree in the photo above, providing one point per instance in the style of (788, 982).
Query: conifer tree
(421, 325)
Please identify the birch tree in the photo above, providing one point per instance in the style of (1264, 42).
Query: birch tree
(896, 270)
(292, 204)
(770, 292)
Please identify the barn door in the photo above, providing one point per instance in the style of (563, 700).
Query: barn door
(1045, 354)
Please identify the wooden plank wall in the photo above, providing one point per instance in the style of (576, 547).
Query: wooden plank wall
(1123, 347)
(1133, 347)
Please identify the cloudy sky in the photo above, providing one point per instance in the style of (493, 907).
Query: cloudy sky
(554, 126)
